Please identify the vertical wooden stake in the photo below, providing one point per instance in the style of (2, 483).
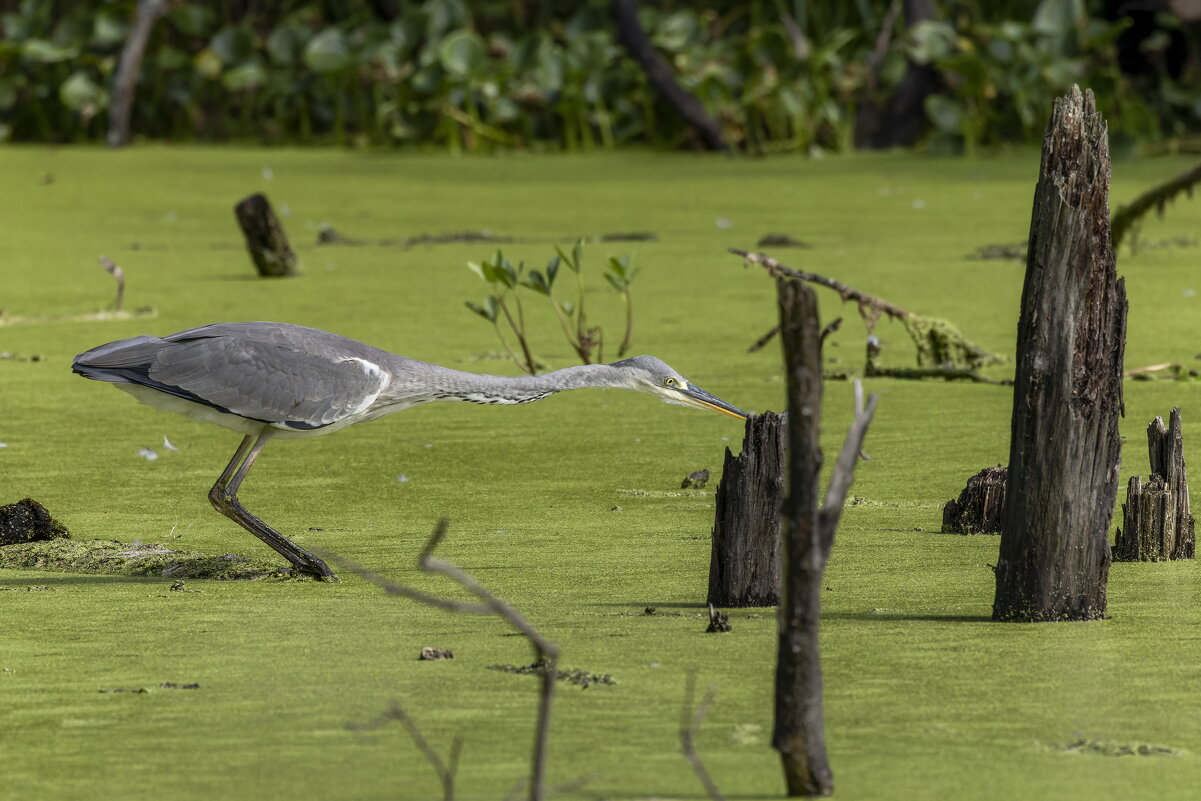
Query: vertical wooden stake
(807, 531)
(1065, 449)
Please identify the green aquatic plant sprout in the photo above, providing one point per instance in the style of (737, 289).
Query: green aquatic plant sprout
(504, 304)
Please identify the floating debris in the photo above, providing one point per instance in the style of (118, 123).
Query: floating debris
(1012, 251)
(1083, 745)
(630, 236)
(780, 241)
(695, 480)
(164, 685)
(431, 654)
(584, 678)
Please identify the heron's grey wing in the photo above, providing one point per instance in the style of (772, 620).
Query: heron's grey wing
(279, 384)
(268, 382)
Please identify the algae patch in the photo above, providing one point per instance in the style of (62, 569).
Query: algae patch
(1083, 745)
(584, 678)
(116, 558)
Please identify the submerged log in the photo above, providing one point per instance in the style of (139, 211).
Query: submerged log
(1064, 445)
(744, 567)
(265, 238)
(977, 510)
(1157, 523)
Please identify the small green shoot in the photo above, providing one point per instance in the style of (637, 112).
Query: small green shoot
(587, 341)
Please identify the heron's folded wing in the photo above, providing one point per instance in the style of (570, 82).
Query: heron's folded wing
(268, 382)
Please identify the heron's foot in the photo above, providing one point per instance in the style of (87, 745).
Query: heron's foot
(316, 569)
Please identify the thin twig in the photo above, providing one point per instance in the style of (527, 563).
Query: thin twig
(445, 770)
(690, 724)
(867, 303)
(392, 588)
(763, 340)
(844, 468)
(547, 652)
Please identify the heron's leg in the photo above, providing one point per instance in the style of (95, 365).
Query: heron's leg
(223, 481)
(224, 498)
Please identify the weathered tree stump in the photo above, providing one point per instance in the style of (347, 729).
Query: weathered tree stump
(28, 521)
(977, 510)
(1067, 395)
(808, 523)
(1148, 532)
(265, 238)
(1157, 523)
(744, 568)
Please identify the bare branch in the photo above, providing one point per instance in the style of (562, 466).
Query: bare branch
(392, 588)
(690, 724)
(763, 340)
(869, 305)
(547, 652)
(445, 770)
(844, 468)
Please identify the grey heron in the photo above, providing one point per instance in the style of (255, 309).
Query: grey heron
(281, 381)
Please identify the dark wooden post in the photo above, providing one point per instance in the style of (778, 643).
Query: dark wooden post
(978, 508)
(744, 568)
(1157, 522)
(806, 538)
(1064, 448)
(265, 238)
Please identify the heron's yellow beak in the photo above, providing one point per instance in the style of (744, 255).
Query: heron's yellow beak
(695, 396)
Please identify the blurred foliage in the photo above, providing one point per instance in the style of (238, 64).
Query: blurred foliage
(777, 74)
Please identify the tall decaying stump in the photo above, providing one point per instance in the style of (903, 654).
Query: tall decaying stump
(1065, 449)
(266, 241)
(744, 569)
(1157, 522)
(978, 508)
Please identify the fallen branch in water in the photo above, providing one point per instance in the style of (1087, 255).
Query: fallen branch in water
(1127, 217)
(942, 351)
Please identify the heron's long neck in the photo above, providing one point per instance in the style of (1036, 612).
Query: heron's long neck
(453, 385)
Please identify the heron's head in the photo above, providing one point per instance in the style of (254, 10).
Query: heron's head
(648, 374)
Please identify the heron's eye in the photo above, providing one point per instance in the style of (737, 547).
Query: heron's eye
(671, 382)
